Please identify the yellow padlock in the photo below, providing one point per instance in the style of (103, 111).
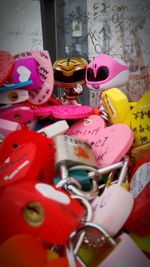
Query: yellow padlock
(138, 120)
(116, 105)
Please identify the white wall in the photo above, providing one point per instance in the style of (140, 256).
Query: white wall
(20, 25)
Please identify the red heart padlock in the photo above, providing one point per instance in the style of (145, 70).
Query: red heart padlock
(21, 165)
(43, 158)
(139, 220)
(6, 66)
(39, 209)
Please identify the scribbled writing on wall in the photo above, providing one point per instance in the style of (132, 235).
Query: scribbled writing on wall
(119, 28)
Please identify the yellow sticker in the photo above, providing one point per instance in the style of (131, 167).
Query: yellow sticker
(116, 105)
(138, 120)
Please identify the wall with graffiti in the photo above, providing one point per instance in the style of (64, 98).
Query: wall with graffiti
(119, 28)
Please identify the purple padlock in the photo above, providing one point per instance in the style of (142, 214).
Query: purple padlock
(26, 69)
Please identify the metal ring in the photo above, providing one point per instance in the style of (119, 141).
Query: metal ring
(68, 181)
(89, 195)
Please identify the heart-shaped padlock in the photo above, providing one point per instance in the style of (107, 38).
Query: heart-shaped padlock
(40, 152)
(109, 144)
(36, 208)
(40, 95)
(138, 120)
(22, 164)
(26, 69)
(22, 250)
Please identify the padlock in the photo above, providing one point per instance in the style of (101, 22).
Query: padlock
(59, 127)
(23, 113)
(7, 126)
(25, 69)
(17, 113)
(106, 145)
(106, 209)
(37, 209)
(14, 97)
(27, 155)
(115, 104)
(41, 72)
(72, 151)
(139, 219)
(121, 251)
(101, 239)
(22, 164)
(22, 250)
(138, 120)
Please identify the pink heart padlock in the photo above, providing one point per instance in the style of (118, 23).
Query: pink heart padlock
(44, 66)
(26, 69)
(109, 144)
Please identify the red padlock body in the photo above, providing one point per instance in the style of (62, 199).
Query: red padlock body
(139, 220)
(22, 164)
(45, 152)
(61, 213)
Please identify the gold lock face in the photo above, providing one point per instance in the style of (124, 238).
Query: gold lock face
(33, 214)
(69, 71)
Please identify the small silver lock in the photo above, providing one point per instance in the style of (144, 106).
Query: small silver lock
(72, 151)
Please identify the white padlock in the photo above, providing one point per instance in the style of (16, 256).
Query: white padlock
(112, 208)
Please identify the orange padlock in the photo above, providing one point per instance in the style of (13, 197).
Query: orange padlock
(21, 251)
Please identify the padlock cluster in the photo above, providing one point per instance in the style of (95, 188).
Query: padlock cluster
(74, 180)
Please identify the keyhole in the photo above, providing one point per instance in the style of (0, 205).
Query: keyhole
(13, 96)
(17, 116)
(33, 214)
